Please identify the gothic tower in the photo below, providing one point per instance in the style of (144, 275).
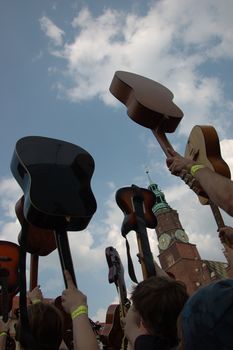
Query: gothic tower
(176, 254)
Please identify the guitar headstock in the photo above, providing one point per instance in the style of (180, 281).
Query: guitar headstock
(116, 269)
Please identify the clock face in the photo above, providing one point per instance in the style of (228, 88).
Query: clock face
(164, 241)
(181, 236)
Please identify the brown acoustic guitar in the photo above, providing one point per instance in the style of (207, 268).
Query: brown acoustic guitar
(40, 242)
(151, 105)
(203, 146)
(112, 333)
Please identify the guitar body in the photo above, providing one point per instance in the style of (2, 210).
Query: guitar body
(55, 178)
(111, 334)
(39, 241)
(149, 103)
(124, 200)
(203, 146)
(9, 262)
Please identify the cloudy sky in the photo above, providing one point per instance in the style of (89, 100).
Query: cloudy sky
(58, 59)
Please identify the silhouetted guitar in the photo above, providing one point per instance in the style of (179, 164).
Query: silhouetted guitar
(151, 105)
(55, 177)
(136, 204)
(112, 334)
(203, 146)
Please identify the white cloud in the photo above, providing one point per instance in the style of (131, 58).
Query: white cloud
(52, 31)
(168, 44)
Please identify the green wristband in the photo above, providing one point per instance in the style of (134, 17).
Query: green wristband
(36, 301)
(82, 309)
(3, 333)
(196, 168)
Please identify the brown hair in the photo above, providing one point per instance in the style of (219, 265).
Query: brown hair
(46, 327)
(159, 300)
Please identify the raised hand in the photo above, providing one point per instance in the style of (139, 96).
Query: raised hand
(176, 163)
(35, 296)
(72, 297)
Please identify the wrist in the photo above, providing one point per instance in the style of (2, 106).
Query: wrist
(35, 301)
(3, 333)
(195, 168)
(80, 310)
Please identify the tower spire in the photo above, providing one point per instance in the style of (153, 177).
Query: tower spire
(161, 203)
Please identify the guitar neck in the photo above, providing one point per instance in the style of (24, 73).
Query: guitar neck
(65, 254)
(34, 262)
(145, 256)
(217, 214)
(162, 140)
(220, 223)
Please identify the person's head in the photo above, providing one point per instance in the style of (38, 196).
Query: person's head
(46, 327)
(207, 318)
(159, 300)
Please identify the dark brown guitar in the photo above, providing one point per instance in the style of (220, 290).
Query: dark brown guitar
(151, 105)
(203, 146)
(40, 242)
(112, 333)
(136, 204)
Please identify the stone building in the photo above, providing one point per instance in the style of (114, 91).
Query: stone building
(177, 255)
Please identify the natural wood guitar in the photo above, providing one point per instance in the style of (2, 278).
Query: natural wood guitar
(203, 146)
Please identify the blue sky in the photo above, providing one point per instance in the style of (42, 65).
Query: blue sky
(57, 62)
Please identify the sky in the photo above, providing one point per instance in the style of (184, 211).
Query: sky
(57, 62)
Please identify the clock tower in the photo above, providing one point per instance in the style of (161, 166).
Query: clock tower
(177, 255)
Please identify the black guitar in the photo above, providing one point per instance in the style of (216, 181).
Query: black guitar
(55, 177)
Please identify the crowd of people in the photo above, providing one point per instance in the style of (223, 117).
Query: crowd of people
(162, 315)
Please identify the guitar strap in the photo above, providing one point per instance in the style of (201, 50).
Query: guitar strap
(131, 270)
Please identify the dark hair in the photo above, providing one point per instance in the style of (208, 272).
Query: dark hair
(46, 327)
(159, 301)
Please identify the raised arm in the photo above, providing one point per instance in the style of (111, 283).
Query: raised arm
(74, 302)
(218, 188)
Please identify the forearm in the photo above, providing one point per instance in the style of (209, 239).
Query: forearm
(84, 337)
(218, 188)
(3, 342)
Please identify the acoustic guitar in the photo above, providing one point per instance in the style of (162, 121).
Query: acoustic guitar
(40, 242)
(151, 105)
(55, 177)
(112, 333)
(203, 146)
(136, 204)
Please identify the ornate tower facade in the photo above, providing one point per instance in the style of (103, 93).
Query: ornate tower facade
(176, 254)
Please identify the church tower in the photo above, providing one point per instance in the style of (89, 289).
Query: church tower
(176, 254)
